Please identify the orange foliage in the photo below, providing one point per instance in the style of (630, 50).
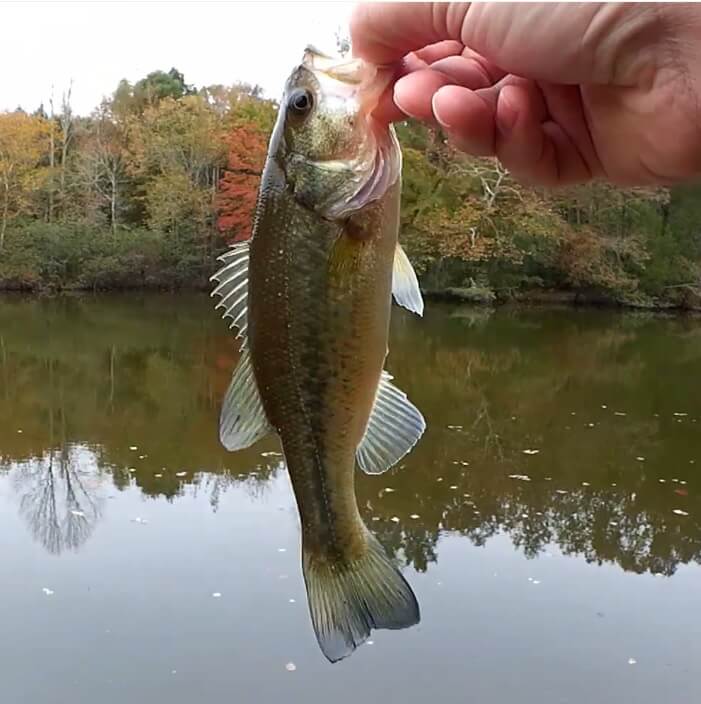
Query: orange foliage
(238, 188)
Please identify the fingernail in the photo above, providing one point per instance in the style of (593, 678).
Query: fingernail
(437, 113)
(506, 114)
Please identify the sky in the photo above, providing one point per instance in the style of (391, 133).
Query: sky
(96, 44)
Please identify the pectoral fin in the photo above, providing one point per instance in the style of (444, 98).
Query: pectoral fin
(394, 427)
(405, 285)
(242, 421)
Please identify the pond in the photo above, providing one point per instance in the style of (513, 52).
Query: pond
(549, 521)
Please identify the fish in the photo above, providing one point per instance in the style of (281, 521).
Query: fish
(310, 293)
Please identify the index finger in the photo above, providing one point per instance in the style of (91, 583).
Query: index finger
(383, 33)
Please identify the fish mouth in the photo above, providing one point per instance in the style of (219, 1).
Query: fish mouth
(352, 77)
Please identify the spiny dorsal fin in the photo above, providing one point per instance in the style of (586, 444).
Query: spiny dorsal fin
(394, 427)
(242, 421)
(233, 287)
(405, 285)
(349, 598)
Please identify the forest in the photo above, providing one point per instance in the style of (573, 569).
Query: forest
(151, 187)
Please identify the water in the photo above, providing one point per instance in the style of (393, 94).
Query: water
(558, 576)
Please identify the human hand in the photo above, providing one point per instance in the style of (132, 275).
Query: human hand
(561, 93)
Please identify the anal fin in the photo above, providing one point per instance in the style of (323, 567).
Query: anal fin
(395, 426)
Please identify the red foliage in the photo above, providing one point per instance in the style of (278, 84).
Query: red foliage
(238, 188)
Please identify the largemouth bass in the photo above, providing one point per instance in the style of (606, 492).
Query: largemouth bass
(311, 295)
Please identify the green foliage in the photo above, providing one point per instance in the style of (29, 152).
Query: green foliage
(147, 190)
(42, 256)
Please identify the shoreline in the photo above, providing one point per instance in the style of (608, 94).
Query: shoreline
(475, 298)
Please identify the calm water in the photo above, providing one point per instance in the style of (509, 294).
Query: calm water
(143, 563)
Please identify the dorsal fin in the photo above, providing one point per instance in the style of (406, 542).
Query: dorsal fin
(233, 287)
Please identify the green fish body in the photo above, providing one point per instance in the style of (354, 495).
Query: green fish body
(311, 294)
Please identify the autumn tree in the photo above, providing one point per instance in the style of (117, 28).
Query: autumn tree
(238, 188)
(23, 145)
(177, 151)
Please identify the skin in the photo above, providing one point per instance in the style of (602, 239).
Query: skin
(561, 93)
(319, 309)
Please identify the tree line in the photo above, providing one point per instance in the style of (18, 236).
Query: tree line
(153, 185)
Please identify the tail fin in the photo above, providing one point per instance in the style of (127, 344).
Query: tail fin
(347, 600)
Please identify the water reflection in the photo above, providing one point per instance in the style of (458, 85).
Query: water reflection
(58, 497)
(122, 391)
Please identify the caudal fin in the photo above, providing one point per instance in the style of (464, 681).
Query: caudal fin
(348, 599)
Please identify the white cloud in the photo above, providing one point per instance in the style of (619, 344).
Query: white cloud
(96, 44)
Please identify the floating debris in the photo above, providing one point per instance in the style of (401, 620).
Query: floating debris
(143, 457)
(389, 490)
(20, 431)
(604, 406)
(414, 516)
(78, 514)
(590, 425)
(47, 591)
(181, 474)
(271, 454)
(282, 576)
(561, 491)
(453, 487)
(632, 661)
(394, 519)
(282, 549)
(290, 667)
(680, 415)
(530, 452)
(662, 481)
(455, 427)
(640, 459)
(439, 479)
(291, 601)
(679, 512)
(370, 642)
(614, 484)
(613, 523)
(520, 477)
(216, 595)
(375, 518)
(158, 476)
(682, 482)
(133, 448)
(618, 413)
(138, 519)
(586, 484)
(548, 479)
(536, 581)
(131, 469)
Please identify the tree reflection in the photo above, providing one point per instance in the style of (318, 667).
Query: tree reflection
(591, 391)
(57, 500)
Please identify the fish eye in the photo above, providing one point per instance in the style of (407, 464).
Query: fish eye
(301, 101)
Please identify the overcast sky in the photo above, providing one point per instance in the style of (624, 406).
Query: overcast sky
(98, 43)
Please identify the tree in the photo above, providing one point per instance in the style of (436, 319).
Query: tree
(238, 188)
(177, 150)
(23, 144)
(101, 167)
